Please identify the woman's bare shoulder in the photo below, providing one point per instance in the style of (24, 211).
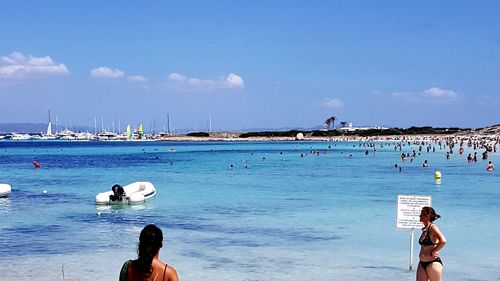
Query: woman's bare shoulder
(434, 227)
(172, 274)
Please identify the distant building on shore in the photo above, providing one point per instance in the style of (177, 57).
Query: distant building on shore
(347, 127)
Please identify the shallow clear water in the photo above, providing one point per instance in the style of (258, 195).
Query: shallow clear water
(317, 217)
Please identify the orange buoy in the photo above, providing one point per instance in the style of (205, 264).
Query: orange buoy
(36, 164)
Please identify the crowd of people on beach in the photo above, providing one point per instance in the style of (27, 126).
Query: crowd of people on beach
(449, 145)
(430, 145)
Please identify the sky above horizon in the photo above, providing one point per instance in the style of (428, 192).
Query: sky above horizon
(250, 64)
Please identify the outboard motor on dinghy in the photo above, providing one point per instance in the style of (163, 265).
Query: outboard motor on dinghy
(118, 193)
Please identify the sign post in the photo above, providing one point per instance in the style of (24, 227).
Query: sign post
(412, 234)
(408, 215)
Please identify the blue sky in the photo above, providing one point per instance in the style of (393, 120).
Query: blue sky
(248, 64)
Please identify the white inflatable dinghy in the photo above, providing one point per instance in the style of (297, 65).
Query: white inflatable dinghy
(133, 193)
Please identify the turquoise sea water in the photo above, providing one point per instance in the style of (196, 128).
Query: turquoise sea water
(285, 217)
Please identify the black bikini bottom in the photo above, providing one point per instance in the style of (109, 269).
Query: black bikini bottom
(425, 264)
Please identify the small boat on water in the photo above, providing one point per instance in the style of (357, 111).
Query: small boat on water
(5, 190)
(133, 193)
(16, 136)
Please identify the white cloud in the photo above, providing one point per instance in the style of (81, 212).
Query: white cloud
(234, 81)
(137, 78)
(431, 95)
(177, 81)
(333, 103)
(437, 93)
(177, 77)
(18, 66)
(106, 72)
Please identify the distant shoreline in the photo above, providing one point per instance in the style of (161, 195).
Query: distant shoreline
(235, 138)
(343, 134)
(326, 139)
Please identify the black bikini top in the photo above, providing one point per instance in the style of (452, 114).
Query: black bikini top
(427, 239)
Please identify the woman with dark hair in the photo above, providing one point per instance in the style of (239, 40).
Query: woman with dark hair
(147, 266)
(431, 241)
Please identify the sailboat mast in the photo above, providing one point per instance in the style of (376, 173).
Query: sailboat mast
(168, 124)
(209, 122)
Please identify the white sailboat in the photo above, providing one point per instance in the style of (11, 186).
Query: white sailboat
(49, 127)
(48, 135)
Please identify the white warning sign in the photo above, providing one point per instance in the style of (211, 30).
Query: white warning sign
(409, 207)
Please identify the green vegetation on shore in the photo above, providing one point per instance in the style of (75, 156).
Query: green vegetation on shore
(367, 132)
(198, 134)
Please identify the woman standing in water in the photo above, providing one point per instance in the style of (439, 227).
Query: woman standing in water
(147, 266)
(431, 241)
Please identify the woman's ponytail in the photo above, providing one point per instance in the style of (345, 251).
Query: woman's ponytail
(150, 242)
(429, 211)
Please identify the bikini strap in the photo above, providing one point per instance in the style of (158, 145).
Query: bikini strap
(429, 227)
(166, 265)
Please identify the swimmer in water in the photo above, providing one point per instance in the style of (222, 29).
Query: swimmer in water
(490, 167)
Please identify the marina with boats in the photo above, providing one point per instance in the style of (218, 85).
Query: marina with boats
(66, 134)
(69, 135)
